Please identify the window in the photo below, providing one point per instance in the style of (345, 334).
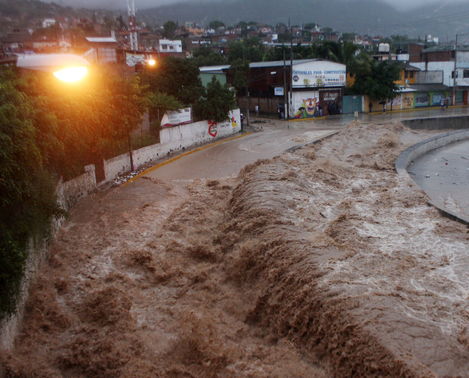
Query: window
(466, 74)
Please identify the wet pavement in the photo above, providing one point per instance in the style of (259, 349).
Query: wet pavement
(270, 139)
(226, 159)
(444, 175)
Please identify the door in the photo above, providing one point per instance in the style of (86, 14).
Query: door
(352, 104)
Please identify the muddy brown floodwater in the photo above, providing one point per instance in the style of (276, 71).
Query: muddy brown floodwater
(321, 262)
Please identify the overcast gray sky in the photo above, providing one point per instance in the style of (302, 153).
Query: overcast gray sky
(114, 4)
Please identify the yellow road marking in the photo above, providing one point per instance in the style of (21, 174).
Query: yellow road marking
(415, 109)
(307, 119)
(180, 156)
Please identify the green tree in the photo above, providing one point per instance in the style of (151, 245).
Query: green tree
(250, 49)
(239, 71)
(348, 37)
(206, 56)
(47, 131)
(27, 201)
(159, 104)
(216, 102)
(169, 29)
(344, 52)
(216, 24)
(80, 125)
(376, 80)
(176, 77)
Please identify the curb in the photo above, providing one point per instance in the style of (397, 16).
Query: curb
(307, 119)
(416, 110)
(180, 156)
(316, 141)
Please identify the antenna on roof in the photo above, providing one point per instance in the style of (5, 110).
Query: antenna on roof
(132, 25)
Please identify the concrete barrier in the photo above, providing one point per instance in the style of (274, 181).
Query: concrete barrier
(407, 157)
(174, 139)
(438, 123)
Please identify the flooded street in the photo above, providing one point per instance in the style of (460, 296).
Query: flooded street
(314, 263)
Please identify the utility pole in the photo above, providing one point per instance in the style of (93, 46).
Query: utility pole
(132, 25)
(290, 93)
(455, 72)
(286, 108)
(133, 36)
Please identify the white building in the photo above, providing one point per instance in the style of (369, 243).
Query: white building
(447, 67)
(316, 86)
(169, 46)
(48, 22)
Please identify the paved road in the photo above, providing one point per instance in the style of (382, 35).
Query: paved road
(444, 175)
(225, 160)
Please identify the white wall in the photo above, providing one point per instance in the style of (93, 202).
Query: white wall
(429, 77)
(300, 99)
(321, 73)
(173, 139)
(447, 68)
(166, 45)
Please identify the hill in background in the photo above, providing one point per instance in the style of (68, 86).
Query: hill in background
(361, 16)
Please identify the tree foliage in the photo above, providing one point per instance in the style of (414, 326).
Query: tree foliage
(176, 77)
(169, 29)
(239, 75)
(81, 125)
(27, 188)
(250, 50)
(206, 56)
(216, 24)
(159, 104)
(47, 131)
(376, 79)
(215, 103)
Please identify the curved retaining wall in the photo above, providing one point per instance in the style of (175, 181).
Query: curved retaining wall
(438, 123)
(419, 149)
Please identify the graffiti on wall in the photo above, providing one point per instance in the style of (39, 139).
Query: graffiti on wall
(234, 123)
(408, 101)
(212, 128)
(422, 99)
(309, 108)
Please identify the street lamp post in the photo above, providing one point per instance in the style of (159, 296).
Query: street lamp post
(455, 72)
(149, 63)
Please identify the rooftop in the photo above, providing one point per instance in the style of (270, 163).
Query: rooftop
(210, 69)
(101, 39)
(429, 87)
(280, 63)
(445, 48)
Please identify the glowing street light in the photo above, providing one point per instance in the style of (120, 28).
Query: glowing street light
(71, 75)
(68, 68)
(151, 62)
